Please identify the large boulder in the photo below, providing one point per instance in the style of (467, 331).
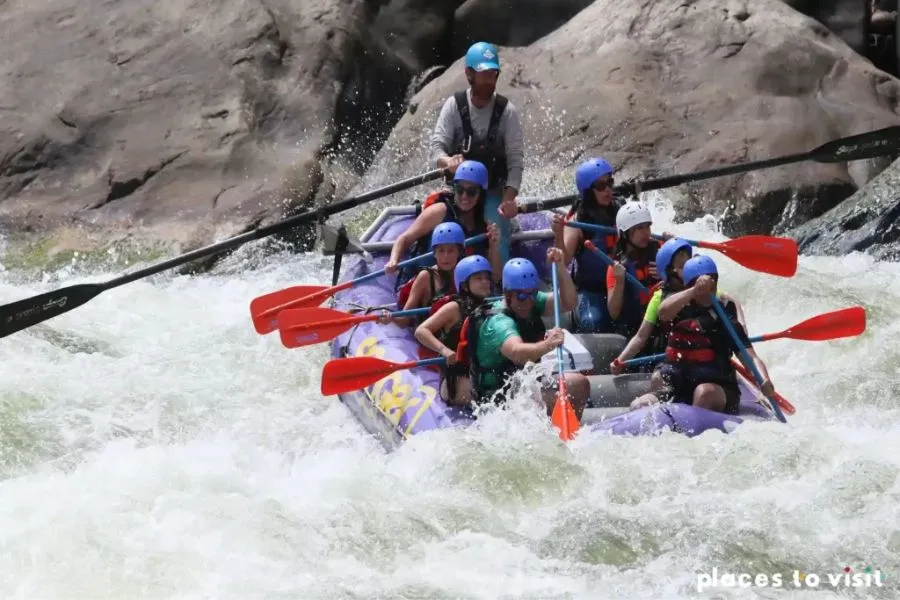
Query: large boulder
(174, 118)
(672, 87)
(868, 221)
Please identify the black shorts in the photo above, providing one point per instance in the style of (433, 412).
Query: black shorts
(681, 380)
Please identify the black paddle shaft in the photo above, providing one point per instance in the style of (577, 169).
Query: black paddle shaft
(31, 311)
(857, 147)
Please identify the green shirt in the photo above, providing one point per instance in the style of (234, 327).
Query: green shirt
(651, 315)
(495, 330)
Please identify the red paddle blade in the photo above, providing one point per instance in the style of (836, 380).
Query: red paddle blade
(773, 255)
(848, 322)
(563, 416)
(305, 326)
(348, 374)
(261, 308)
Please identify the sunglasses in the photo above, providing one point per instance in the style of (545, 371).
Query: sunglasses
(601, 185)
(467, 190)
(525, 296)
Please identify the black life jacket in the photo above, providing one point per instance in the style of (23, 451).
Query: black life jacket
(531, 331)
(467, 305)
(634, 301)
(698, 338)
(588, 270)
(423, 244)
(488, 151)
(435, 293)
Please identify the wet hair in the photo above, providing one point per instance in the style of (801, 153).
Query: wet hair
(589, 211)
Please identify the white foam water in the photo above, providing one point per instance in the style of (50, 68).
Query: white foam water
(152, 445)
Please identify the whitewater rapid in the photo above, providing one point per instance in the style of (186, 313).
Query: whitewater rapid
(152, 445)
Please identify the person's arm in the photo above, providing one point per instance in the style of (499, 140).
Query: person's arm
(615, 287)
(571, 238)
(731, 310)
(672, 305)
(568, 293)
(423, 225)
(739, 310)
(418, 297)
(520, 352)
(443, 137)
(426, 332)
(637, 343)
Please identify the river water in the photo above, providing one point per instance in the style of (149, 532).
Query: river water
(152, 445)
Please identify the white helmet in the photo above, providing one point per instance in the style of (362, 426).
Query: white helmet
(632, 214)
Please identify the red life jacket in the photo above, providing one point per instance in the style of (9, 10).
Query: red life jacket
(698, 336)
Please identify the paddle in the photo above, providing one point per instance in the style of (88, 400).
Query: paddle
(880, 142)
(341, 375)
(31, 311)
(563, 415)
(784, 404)
(846, 322)
(763, 253)
(305, 326)
(265, 309)
(609, 261)
(745, 357)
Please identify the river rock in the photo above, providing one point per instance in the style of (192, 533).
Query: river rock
(673, 87)
(867, 221)
(188, 119)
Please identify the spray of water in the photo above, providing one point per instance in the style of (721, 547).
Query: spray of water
(152, 445)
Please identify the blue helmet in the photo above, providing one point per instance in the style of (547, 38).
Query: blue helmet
(482, 56)
(520, 274)
(474, 171)
(467, 267)
(448, 233)
(668, 251)
(590, 171)
(697, 266)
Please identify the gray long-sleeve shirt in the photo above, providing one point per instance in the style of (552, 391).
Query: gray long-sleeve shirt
(448, 135)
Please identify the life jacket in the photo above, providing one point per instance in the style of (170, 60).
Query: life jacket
(423, 244)
(634, 301)
(531, 331)
(698, 338)
(488, 151)
(589, 270)
(436, 292)
(450, 339)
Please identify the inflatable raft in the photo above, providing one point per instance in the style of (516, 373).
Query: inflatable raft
(408, 402)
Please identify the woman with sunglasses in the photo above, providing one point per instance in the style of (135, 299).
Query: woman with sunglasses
(440, 332)
(697, 369)
(464, 207)
(596, 206)
(635, 253)
(499, 340)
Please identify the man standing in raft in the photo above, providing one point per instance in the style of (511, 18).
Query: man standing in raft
(478, 124)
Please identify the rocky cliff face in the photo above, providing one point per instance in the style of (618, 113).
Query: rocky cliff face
(193, 119)
(867, 221)
(662, 88)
